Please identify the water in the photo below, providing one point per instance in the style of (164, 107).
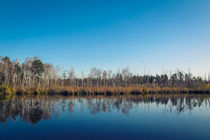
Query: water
(124, 117)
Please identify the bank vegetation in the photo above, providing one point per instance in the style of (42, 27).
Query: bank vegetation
(34, 77)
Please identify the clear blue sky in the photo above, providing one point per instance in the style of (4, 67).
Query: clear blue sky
(151, 35)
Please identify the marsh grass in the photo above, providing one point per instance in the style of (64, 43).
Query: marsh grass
(6, 91)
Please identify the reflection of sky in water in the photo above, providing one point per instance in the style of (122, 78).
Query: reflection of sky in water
(106, 118)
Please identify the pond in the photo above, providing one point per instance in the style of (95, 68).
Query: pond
(103, 117)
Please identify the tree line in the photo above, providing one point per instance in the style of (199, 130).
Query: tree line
(33, 73)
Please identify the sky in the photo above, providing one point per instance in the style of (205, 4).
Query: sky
(151, 36)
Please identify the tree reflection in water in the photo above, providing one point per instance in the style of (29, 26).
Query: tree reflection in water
(32, 110)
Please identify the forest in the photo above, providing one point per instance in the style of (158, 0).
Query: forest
(34, 77)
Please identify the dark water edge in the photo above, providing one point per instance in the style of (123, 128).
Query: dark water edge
(105, 117)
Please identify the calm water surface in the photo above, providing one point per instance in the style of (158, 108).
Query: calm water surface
(130, 117)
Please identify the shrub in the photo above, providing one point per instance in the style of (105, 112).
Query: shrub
(5, 91)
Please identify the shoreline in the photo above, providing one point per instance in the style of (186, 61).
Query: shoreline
(106, 91)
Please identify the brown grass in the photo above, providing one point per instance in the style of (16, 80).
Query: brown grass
(109, 91)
